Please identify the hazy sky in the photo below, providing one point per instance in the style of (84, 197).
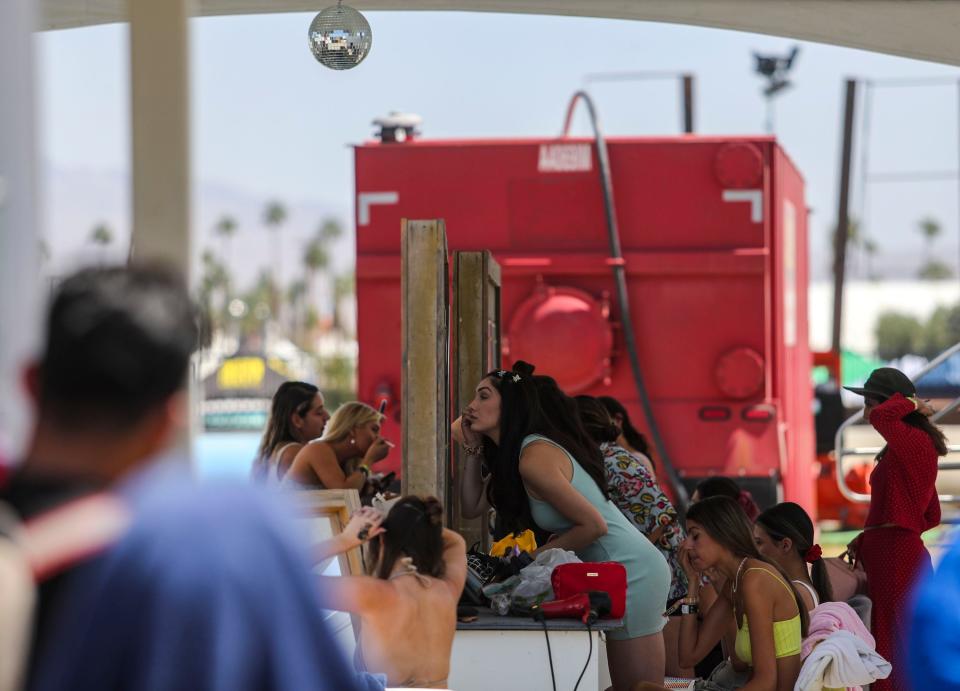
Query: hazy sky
(269, 121)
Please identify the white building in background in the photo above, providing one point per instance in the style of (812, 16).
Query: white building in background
(865, 301)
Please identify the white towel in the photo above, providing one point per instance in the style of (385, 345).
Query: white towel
(841, 660)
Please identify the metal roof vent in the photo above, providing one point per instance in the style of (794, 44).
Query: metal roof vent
(398, 127)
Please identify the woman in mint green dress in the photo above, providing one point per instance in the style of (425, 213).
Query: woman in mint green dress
(543, 471)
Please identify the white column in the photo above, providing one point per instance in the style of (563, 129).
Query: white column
(160, 113)
(160, 126)
(20, 284)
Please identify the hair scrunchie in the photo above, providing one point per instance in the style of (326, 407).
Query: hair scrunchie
(749, 506)
(813, 554)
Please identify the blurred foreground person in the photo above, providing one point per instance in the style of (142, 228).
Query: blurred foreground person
(408, 603)
(156, 583)
(297, 416)
(934, 630)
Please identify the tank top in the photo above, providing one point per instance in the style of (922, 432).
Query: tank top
(787, 638)
(811, 590)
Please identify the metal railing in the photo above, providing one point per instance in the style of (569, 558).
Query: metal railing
(841, 452)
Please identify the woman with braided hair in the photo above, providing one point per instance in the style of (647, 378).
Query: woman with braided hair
(543, 470)
(408, 604)
(784, 535)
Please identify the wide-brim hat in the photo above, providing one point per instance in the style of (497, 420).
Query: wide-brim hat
(883, 382)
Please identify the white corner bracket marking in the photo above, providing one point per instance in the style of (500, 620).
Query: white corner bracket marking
(367, 199)
(755, 197)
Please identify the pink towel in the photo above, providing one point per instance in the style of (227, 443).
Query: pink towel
(834, 616)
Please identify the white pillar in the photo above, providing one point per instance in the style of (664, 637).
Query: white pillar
(20, 283)
(160, 115)
(160, 126)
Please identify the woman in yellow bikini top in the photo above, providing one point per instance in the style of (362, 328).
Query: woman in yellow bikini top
(787, 638)
(754, 594)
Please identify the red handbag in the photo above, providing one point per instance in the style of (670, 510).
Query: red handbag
(607, 576)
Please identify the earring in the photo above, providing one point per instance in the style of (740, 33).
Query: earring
(352, 441)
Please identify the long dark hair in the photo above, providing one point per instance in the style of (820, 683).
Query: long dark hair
(789, 520)
(291, 397)
(721, 486)
(728, 525)
(922, 422)
(560, 422)
(521, 413)
(630, 433)
(414, 529)
(596, 420)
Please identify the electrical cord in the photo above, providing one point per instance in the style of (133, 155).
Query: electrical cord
(589, 655)
(553, 678)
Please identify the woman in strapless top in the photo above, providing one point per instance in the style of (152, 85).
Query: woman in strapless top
(297, 415)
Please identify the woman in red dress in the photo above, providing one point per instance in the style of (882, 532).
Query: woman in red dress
(903, 505)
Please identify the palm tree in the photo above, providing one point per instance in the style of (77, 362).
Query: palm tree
(870, 248)
(226, 228)
(315, 259)
(215, 283)
(295, 296)
(930, 228)
(330, 228)
(933, 269)
(102, 236)
(274, 216)
(343, 285)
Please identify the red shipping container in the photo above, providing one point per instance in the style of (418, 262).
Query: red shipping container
(714, 239)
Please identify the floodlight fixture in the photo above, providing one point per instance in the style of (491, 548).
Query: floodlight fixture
(775, 69)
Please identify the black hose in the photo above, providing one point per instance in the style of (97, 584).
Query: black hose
(623, 301)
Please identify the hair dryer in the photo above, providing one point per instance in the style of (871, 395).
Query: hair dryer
(587, 607)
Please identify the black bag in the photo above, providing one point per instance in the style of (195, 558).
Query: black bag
(482, 569)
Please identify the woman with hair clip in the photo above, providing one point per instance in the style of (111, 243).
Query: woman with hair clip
(639, 498)
(771, 618)
(903, 504)
(331, 462)
(544, 471)
(720, 486)
(297, 416)
(408, 603)
(784, 535)
(629, 438)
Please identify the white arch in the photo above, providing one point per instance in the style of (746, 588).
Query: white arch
(922, 29)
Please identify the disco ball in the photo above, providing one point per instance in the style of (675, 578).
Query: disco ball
(340, 37)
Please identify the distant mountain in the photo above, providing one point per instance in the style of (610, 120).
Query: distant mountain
(74, 201)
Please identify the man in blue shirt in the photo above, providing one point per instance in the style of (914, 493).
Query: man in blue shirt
(935, 628)
(201, 588)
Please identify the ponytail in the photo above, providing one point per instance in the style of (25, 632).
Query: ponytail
(789, 520)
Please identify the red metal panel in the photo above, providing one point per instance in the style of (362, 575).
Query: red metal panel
(702, 221)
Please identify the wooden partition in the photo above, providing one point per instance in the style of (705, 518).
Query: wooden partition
(476, 347)
(425, 289)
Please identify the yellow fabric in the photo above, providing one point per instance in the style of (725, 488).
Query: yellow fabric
(525, 542)
(787, 639)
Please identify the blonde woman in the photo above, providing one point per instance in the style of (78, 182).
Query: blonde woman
(331, 462)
